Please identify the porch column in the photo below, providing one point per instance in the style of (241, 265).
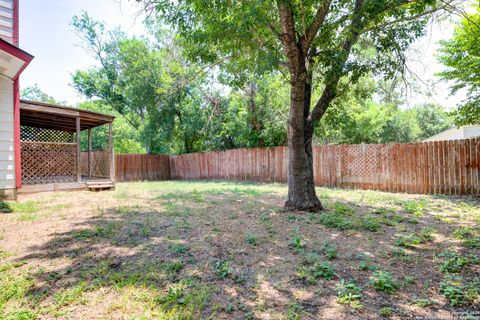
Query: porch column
(89, 153)
(111, 151)
(79, 165)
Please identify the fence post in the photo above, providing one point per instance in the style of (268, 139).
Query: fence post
(79, 165)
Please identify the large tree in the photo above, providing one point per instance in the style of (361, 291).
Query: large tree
(315, 43)
(461, 57)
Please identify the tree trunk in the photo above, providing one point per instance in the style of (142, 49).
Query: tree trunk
(301, 186)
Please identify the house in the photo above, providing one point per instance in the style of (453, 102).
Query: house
(13, 61)
(40, 143)
(457, 133)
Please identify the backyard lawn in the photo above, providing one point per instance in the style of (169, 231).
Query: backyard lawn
(227, 250)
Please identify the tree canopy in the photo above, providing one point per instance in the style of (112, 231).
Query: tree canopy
(461, 57)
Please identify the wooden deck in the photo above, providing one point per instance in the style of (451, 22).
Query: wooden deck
(85, 184)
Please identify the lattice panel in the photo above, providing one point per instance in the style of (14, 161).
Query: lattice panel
(44, 135)
(100, 164)
(44, 162)
(366, 163)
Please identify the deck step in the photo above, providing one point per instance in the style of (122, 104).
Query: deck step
(99, 185)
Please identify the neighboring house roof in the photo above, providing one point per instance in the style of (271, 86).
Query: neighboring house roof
(457, 133)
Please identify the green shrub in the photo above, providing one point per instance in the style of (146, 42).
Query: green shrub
(383, 281)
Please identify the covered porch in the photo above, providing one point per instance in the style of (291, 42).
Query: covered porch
(51, 149)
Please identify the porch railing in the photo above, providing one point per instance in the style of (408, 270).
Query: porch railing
(48, 162)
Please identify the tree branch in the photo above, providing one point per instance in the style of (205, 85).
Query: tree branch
(316, 24)
(335, 74)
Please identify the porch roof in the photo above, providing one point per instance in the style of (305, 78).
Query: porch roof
(56, 117)
(13, 60)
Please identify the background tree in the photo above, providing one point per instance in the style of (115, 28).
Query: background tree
(461, 56)
(301, 37)
(126, 139)
(136, 78)
(34, 93)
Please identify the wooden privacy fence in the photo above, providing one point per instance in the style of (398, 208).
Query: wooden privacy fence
(132, 167)
(443, 167)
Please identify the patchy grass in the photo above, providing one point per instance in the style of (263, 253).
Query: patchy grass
(228, 250)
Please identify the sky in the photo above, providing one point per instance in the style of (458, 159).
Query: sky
(45, 32)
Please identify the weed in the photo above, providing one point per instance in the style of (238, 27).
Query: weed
(239, 278)
(178, 248)
(422, 303)
(5, 207)
(311, 272)
(251, 239)
(341, 208)
(365, 264)
(197, 196)
(173, 266)
(408, 280)
(469, 235)
(106, 231)
(25, 207)
(371, 223)
(184, 300)
(386, 312)
(296, 242)
(425, 235)
(454, 262)
(383, 281)
(329, 250)
(463, 233)
(349, 293)
(295, 311)
(473, 243)
(415, 207)
(68, 296)
(456, 293)
(292, 218)
(335, 220)
(27, 217)
(23, 314)
(222, 269)
(14, 286)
